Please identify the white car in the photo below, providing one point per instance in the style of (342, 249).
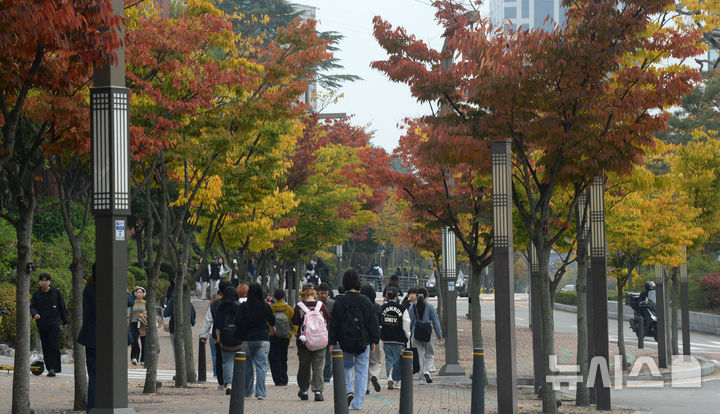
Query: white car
(568, 288)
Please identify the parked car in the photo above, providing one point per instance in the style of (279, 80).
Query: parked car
(568, 288)
(461, 285)
(431, 286)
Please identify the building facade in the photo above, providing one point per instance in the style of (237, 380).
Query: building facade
(527, 14)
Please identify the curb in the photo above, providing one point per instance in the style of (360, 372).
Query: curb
(707, 367)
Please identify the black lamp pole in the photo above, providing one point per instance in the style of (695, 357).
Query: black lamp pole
(598, 287)
(504, 276)
(452, 359)
(685, 307)
(109, 122)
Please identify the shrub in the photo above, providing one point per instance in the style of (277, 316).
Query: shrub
(138, 273)
(566, 298)
(9, 321)
(711, 288)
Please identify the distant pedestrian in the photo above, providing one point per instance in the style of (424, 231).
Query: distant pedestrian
(410, 298)
(138, 325)
(311, 276)
(257, 316)
(202, 278)
(393, 282)
(354, 325)
(169, 311)
(47, 307)
(394, 332)
(375, 364)
(280, 339)
(87, 336)
(324, 297)
(423, 320)
(312, 358)
(242, 291)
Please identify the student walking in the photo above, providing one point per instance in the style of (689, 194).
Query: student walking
(47, 307)
(138, 325)
(227, 320)
(256, 316)
(324, 296)
(375, 364)
(423, 320)
(312, 318)
(280, 339)
(394, 332)
(354, 325)
(208, 332)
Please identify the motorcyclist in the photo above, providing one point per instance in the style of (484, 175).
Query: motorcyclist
(647, 305)
(649, 285)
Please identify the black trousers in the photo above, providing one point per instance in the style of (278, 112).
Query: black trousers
(218, 363)
(136, 352)
(278, 359)
(49, 335)
(90, 362)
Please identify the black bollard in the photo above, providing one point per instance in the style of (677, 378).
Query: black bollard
(478, 382)
(202, 371)
(237, 396)
(339, 391)
(641, 333)
(406, 388)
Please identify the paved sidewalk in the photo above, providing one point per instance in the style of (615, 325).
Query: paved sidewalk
(446, 395)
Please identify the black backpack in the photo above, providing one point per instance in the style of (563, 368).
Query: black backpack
(354, 337)
(230, 333)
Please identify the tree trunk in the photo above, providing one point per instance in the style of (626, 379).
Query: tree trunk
(582, 397)
(621, 335)
(187, 327)
(549, 402)
(475, 308)
(675, 307)
(21, 376)
(179, 332)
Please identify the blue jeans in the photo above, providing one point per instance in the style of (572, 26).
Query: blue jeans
(212, 354)
(228, 364)
(358, 382)
(392, 360)
(258, 354)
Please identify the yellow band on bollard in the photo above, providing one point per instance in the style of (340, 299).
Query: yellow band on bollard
(337, 356)
(239, 358)
(407, 356)
(478, 353)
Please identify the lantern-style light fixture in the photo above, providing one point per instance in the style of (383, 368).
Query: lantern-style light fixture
(597, 218)
(502, 186)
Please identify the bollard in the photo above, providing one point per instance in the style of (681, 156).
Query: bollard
(641, 333)
(478, 382)
(406, 389)
(202, 371)
(237, 396)
(339, 390)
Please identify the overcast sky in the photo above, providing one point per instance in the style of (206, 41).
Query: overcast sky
(375, 101)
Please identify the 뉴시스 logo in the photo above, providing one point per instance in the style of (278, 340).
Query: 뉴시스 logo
(685, 373)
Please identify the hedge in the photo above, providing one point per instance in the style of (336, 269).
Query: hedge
(570, 298)
(711, 288)
(9, 321)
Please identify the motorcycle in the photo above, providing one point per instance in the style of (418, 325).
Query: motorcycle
(643, 311)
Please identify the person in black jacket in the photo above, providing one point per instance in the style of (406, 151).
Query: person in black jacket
(47, 307)
(375, 364)
(257, 316)
(394, 332)
(170, 312)
(87, 335)
(354, 325)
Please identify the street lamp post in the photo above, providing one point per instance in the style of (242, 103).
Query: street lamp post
(598, 287)
(504, 276)
(452, 359)
(109, 123)
(685, 307)
(660, 311)
(536, 317)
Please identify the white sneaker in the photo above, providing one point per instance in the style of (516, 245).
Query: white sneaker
(228, 390)
(134, 361)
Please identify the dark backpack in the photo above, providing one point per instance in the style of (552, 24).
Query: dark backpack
(230, 333)
(354, 337)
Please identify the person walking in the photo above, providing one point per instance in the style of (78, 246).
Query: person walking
(227, 321)
(311, 276)
(394, 281)
(87, 336)
(324, 294)
(394, 332)
(138, 324)
(410, 298)
(354, 326)
(47, 307)
(215, 272)
(423, 320)
(375, 364)
(256, 317)
(169, 311)
(310, 353)
(280, 339)
(202, 278)
(207, 332)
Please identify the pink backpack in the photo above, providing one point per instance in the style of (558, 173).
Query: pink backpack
(314, 327)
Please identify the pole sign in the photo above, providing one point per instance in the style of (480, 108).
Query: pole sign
(119, 229)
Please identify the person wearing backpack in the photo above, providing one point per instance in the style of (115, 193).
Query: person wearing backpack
(228, 330)
(375, 364)
(354, 326)
(258, 321)
(280, 340)
(311, 317)
(423, 319)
